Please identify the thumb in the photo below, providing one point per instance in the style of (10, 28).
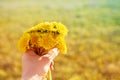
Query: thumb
(51, 54)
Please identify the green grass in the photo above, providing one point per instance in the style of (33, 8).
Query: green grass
(93, 40)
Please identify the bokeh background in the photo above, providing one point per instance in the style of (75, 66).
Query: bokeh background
(93, 40)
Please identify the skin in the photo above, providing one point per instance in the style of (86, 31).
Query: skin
(35, 66)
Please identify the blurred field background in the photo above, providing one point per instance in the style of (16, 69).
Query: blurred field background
(93, 40)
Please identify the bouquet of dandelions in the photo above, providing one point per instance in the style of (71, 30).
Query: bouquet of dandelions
(44, 35)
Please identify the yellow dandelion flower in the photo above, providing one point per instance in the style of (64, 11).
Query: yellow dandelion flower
(61, 45)
(60, 28)
(24, 42)
(46, 35)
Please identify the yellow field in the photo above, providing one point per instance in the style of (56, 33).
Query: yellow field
(93, 40)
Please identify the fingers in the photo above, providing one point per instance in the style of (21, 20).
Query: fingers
(51, 66)
(50, 55)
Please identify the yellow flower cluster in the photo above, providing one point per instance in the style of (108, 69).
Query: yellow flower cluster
(46, 35)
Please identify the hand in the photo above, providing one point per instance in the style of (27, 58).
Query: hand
(34, 66)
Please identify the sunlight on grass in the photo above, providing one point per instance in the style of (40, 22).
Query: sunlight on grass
(93, 40)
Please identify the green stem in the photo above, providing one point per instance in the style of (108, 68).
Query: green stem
(49, 75)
